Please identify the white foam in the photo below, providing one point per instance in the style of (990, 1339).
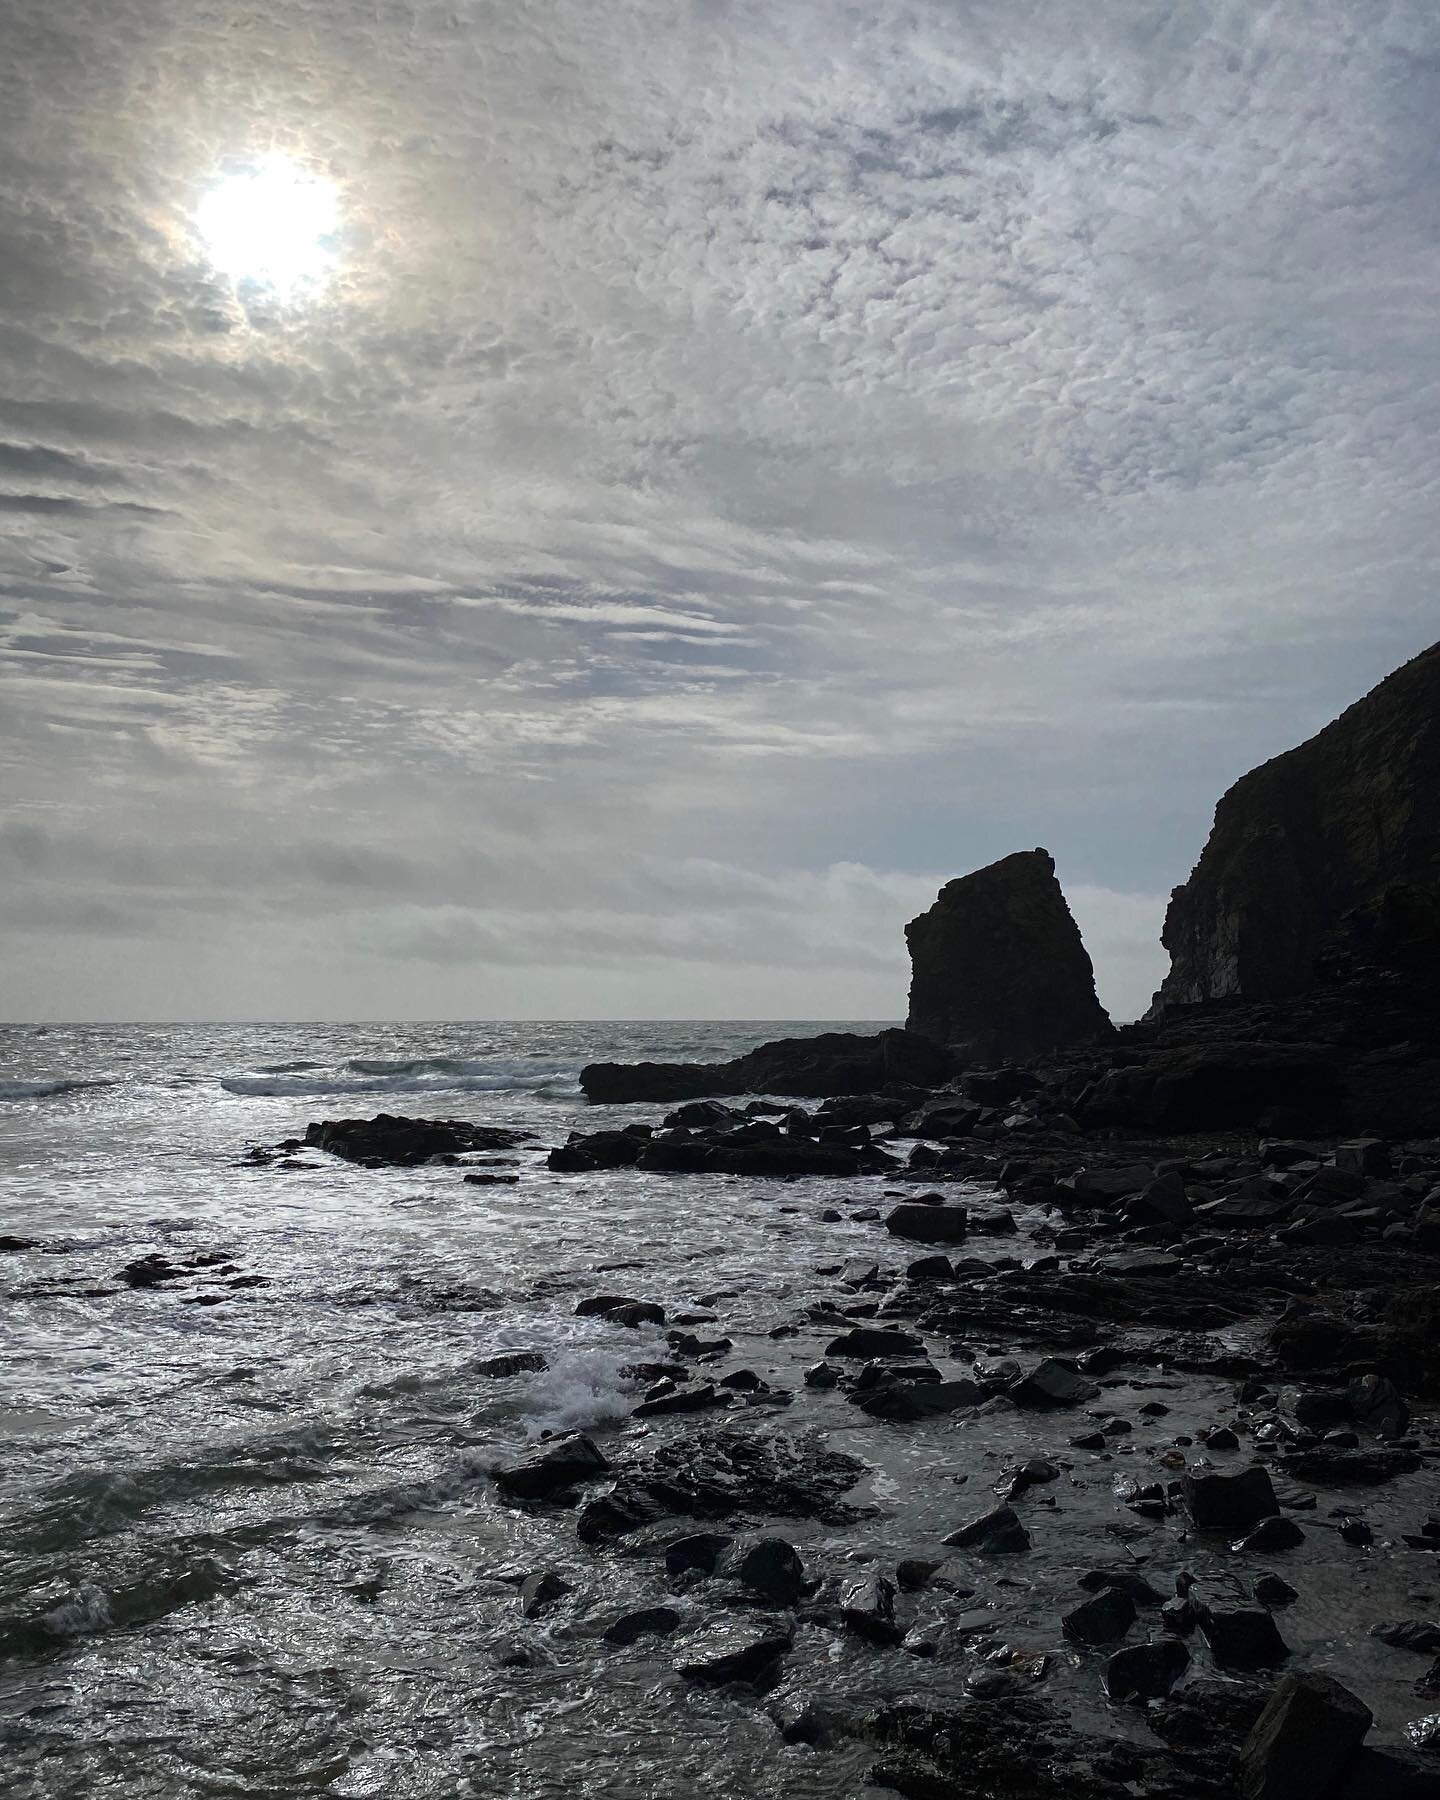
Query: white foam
(88, 1609)
(428, 1075)
(582, 1385)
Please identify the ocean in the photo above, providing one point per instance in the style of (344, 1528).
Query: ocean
(248, 1543)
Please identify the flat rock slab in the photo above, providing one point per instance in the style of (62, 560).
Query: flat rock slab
(732, 1651)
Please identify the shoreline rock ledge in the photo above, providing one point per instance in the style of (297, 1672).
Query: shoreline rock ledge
(999, 970)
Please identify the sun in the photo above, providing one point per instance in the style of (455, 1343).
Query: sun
(272, 224)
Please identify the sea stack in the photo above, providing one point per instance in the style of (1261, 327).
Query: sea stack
(1326, 856)
(998, 968)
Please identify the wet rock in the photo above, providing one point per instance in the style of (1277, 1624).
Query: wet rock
(733, 1651)
(619, 1309)
(1245, 1638)
(913, 1573)
(149, 1271)
(556, 1465)
(1229, 1503)
(868, 1341)
(9, 1244)
(701, 1550)
(859, 1272)
(646, 1621)
(1301, 1744)
(1376, 1406)
(1128, 1581)
(1053, 1383)
(769, 1567)
(1328, 1466)
(539, 1592)
(930, 1268)
(585, 1153)
(998, 1531)
(822, 1375)
(391, 1141)
(1274, 1590)
(998, 966)
(1101, 1619)
(1146, 1671)
(483, 1178)
(511, 1362)
(1409, 1634)
(1375, 1774)
(1271, 1534)
(928, 1224)
(907, 1401)
(868, 1607)
(700, 1397)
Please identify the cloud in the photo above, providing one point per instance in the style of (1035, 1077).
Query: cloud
(836, 439)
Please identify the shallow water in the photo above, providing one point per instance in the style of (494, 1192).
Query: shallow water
(251, 1547)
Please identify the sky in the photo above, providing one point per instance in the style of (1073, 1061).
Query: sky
(737, 466)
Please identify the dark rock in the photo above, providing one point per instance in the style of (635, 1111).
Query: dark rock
(1273, 1590)
(511, 1362)
(8, 1244)
(998, 966)
(1271, 1534)
(149, 1271)
(770, 1567)
(870, 1341)
(928, 1224)
(620, 1310)
(835, 1063)
(1390, 1775)
(1329, 1466)
(1376, 1406)
(868, 1607)
(699, 1398)
(586, 1152)
(1100, 1620)
(930, 1268)
(906, 1401)
(1229, 1503)
(390, 1141)
(1334, 843)
(822, 1375)
(1409, 1634)
(648, 1621)
(482, 1178)
(555, 1465)
(733, 1651)
(1302, 1742)
(1053, 1383)
(539, 1592)
(997, 1531)
(701, 1550)
(1245, 1638)
(1146, 1671)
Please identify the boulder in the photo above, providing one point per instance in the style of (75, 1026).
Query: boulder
(1229, 1503)
(1300, 1746)
(769, 1567)
(998, 969)
(1332, 848)
(732, 1650)
(557, 1464)
(928, 1224)
(391, 1141)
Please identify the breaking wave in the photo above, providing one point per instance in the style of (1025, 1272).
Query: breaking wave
(421, 1075)
(56, 1085)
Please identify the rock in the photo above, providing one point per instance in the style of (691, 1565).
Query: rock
(1409, 1634)
(647, 1621)
(511, 1362)
(732, 1651)
(1331, 1466)
(928, 1224)
(859, 1272)
(1376, 1406)
(867, 1341)
(822, 1375)
(1146, 1671)
(835, 1063)
(1053, 1383)
(1271, 1534)
(482, 1178)
(620, 1311)
(1334, 845)
(906, 1401)
(9, 1244)
(699, 1398)
(1274, 1590)
(1391, 1775)
(998, 1531)
(1244, 1637)
(701, 1550)
(1101, 1619)
(770, 1567)
(1301, 1744)
(539, 1592)
(1229, 1503)
(586, 1152)
(557, 1464)
(390, 1141)
(998, 968)
(930, 1268)
(868, 1608)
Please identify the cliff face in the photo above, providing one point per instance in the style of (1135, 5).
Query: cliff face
(1327, 854)
(998, 967)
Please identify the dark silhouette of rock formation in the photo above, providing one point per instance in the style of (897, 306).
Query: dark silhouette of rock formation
(1321, 859)
(836, 1062)
(998, 967)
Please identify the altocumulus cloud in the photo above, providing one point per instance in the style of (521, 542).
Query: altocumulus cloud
(723, 492)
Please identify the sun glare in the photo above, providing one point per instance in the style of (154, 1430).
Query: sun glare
(273, 224)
